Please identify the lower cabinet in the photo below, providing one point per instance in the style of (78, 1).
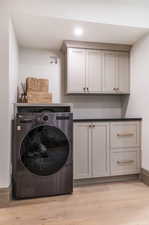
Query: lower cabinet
(100, 149)
(125, 162)
(106, 149)
(91, 150)
(125, 145)
(82, 151)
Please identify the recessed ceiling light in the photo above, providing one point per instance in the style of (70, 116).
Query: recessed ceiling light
(78, 31)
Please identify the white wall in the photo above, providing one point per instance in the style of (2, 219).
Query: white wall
(8, 80)
(120, 12)
(13, 67)
(95, 106)
(138, 103)
(13, 79)
(36, 63)
(4, 100)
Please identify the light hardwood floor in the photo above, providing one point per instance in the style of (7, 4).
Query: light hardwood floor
(124, 203)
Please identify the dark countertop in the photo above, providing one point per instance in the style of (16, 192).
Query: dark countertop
(106, 119)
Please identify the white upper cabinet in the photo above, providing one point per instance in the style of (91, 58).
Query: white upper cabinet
(123, 73)
(76, 70)
(97, 71)
(109, 72)
(116, 74)
(94, 71)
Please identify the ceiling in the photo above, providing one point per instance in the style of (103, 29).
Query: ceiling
(49, 33)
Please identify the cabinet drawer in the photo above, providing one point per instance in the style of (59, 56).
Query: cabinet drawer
(123, 163)
(125, 134)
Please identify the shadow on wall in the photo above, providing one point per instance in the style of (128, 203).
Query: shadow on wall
(124, 104)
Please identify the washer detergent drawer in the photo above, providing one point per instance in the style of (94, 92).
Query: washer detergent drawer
(126, 162)
(125, 134)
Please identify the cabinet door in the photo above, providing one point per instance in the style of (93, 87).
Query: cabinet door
(82, 151)
(100, 150)
(109, 72)
(76, 70)
(93, 71)
(123, 73)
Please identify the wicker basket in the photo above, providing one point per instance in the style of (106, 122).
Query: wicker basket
(34, 84)
(37, 91)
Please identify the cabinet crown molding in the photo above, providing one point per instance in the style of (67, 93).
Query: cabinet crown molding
(94, 45)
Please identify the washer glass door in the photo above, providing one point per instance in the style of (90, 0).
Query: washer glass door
(44, 150)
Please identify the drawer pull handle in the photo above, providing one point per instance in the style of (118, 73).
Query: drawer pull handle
(125, 135)
(125, 162)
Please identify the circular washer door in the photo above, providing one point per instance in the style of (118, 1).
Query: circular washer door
(44, 150)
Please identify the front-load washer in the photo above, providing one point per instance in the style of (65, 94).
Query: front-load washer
(42, 156)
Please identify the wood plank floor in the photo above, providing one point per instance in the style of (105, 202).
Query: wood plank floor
(104, 204)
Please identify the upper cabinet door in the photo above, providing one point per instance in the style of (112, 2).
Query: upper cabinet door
(109, 72)
(93, 71)
(76, 70)
(100, 149)
(123, 73)
(97, 71)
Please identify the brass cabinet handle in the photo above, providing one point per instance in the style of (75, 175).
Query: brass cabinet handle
(125, 135)
(91, 125)
(125, 162)
(116, 89)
